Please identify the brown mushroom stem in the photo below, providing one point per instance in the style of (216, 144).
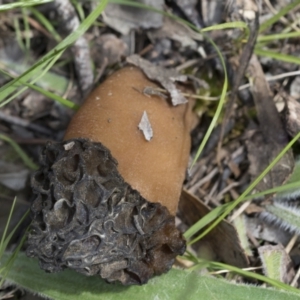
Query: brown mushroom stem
(105, 198)
(111, 115)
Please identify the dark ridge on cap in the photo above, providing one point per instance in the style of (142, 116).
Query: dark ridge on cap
(87, 218)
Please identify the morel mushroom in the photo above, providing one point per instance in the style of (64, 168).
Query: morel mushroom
(105, 197)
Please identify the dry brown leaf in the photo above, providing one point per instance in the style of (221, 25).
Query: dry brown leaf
(111, 49)
(176, 31)
(166, 77)
(123, 18)
(223, 240)
(260, 154)
(266, 143)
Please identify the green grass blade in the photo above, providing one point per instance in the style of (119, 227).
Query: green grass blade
(288, 188)
(26, 160)
(65, 102)
(18, 34)
(18, 4)
(278, 36)
(268, 23)
(9, 237)
(229, 25)
(3, 238)
(219, 107)
(11, 260)
(79, 9)
(273, 282)
(278, 56)
(26, 30)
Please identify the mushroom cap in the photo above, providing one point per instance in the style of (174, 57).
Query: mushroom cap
(111, 115)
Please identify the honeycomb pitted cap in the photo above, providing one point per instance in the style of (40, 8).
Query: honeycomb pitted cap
(87, 218)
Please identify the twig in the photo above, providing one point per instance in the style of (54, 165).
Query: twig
(39, 27)
(295, 280)
(291, 243)
(80, 49)
(272, 78)
(239, 211)
(227, 271)
(208, 177)
(226, 189)
(188, 95)
(24, 123)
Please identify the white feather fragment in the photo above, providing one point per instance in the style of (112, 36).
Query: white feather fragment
(69, 146)
(145, 127)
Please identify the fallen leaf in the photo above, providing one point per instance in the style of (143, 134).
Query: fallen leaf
(223, 241)
(166, 77)
(267, 142)
(176, 31)
(261, 153)
(124, 18)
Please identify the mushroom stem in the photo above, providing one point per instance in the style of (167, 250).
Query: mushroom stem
(111, 115)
